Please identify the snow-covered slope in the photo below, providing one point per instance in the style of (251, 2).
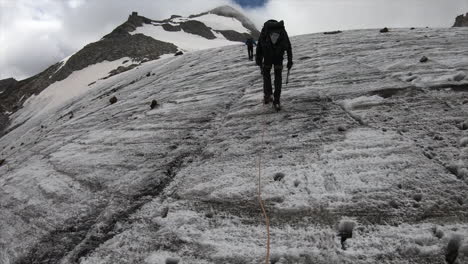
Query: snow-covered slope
(368, 134)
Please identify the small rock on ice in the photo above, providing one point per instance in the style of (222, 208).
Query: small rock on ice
(459, 76)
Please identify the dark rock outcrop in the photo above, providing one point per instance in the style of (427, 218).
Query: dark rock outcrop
(113, 100)
(461, 21)
(7, 84)
(8, 100)
(4, 121)
(171, 28)
(234, 35)
(384, 30)
(332, 32)
(121, 69)
(136, 46)
(197, 28)
(134, 21)
(154, 103)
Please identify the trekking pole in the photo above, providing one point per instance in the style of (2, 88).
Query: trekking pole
(287, 76)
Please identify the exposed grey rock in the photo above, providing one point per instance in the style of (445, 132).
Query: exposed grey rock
(197, 28)
(234, 35)
(136, 46)
(7, 84)
(423, 59)
(460, 76)
(384, 30)
(278, 176)
(453, 248)
(171, 28)
(209, 214)
(113, 100)
(154, 103)
(178, 53)
(332, 32)
(120, 69)
(164, 212)
(417, 197)
(130, 25)
(461, 21)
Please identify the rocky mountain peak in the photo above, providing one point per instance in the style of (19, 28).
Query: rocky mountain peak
(7, 83)
(140, 39)
(461, 21)
(228, 11)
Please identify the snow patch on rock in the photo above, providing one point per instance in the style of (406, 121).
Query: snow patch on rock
(182, 39)
(222, 23)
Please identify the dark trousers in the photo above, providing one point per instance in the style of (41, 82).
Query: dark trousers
(250, 51)
(267, 89)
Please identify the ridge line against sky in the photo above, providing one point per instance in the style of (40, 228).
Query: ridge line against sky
(35, 34)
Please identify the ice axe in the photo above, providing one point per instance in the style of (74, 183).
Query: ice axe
(287, 76)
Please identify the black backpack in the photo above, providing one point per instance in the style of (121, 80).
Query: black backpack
(273, 34)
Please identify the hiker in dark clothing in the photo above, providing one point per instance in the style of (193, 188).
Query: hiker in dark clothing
(250, 43)
(272, 44)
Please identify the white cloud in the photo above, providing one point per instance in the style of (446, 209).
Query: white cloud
(34, 34)
(306, 16)
(75, 3)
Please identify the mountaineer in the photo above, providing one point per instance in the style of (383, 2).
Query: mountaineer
(271, 45)
(250, 43)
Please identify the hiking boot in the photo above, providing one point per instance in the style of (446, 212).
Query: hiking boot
(267, 99)
(277, 106)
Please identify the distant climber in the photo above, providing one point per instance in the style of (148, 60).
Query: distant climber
(250, 43)
(272, 44)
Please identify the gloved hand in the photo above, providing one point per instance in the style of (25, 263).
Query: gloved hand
(258, 62)
(290, 64)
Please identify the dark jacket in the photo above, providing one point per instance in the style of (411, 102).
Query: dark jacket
(250, 42)
(269, 53)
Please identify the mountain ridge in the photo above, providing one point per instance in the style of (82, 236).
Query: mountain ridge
(117, 44)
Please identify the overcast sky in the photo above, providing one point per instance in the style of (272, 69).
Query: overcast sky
(34, 34)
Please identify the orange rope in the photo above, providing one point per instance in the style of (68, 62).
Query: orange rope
(260, 200)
